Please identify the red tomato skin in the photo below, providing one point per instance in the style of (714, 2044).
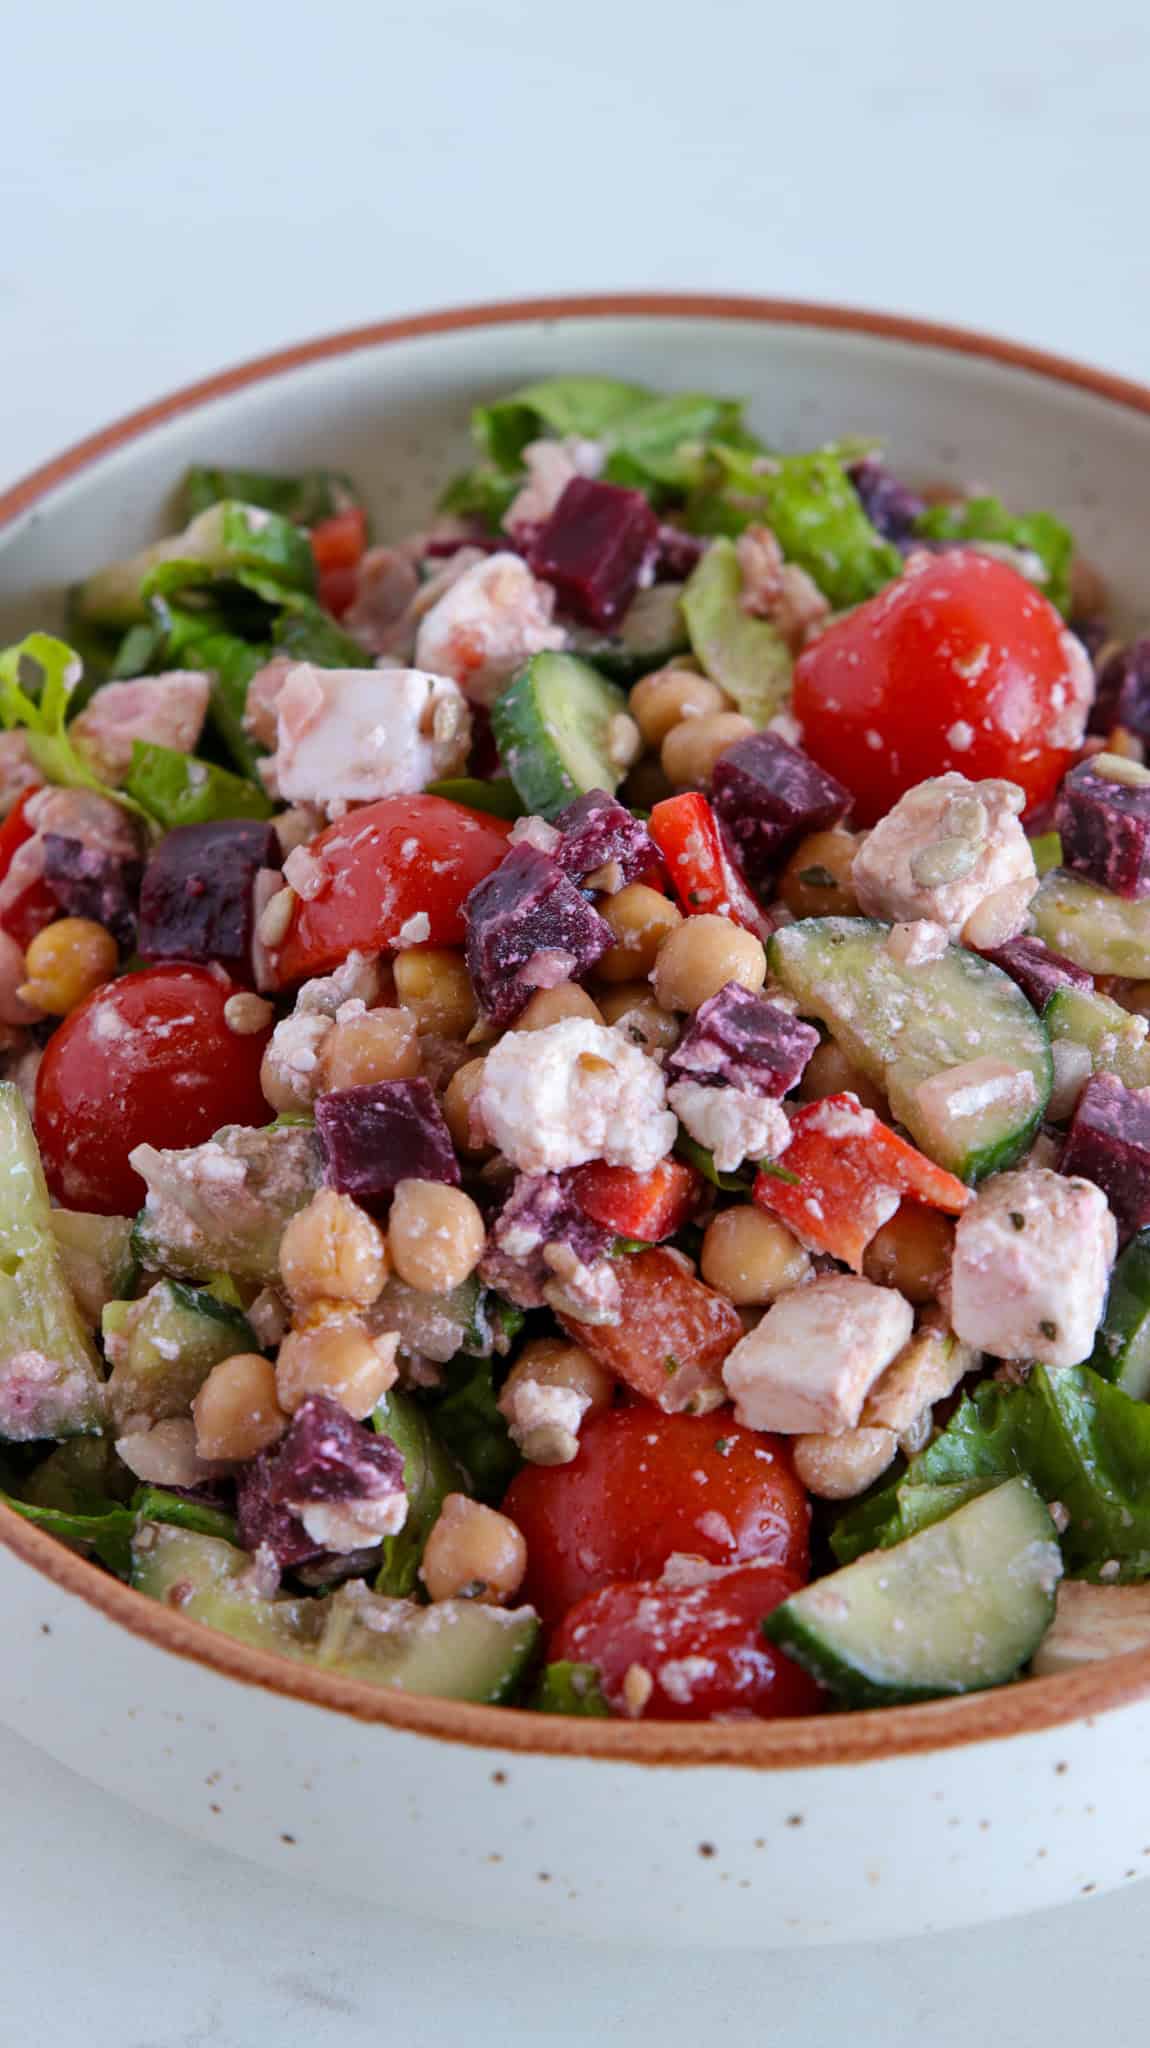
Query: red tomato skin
(671, 1335)
(337, 589)
(387, 862)
(702, 1647)
(35, 906)
(957, 665)
(643, 1205)
(645, 1485)
(339, 542)
(147, 1059)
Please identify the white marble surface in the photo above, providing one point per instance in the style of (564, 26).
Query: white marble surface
(178, 191)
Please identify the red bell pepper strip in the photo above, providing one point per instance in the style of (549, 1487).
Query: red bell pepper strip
(649, 1206)
(338, 544)
(672, 1335)
(848, 1173)
(703, 873)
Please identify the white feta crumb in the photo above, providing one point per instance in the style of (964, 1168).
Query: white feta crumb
(1032, 1259)
(414, 931)
(574, 1091)
(351, 735)
(947, 846)
(733, 1124)
(491, 620)
(810, 1363)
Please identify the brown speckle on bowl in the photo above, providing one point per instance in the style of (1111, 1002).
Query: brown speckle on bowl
(1060, 1770)
(289, 1839)
(706, 1848)
(795, 1820)
(499, 1777)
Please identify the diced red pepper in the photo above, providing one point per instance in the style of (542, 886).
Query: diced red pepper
(672, 1335)
(650, 1206)
(703, 875)
(23, 912)
(849, 1174)
(337, 545)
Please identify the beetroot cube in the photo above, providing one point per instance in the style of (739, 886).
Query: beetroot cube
(1123, 696)
(1105, 828)
(594, 547)
(89, 882)
(197, 901)
(374, 1136)
(597, 829)
(769, 796)
(892, 507)
(1037, 970)
(326, 1456)
(266, 1524)
(746, 1041)
(528, 927)
(1109, 1143)
(541, 1210)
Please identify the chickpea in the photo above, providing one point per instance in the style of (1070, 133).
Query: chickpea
(237, 1412)
(751, 1257)
(830, 1072)
(552, 1005)
(690, 750)
(552, 1363)
(640, 919)
(332, 1251)
(435, 1235)
(912, 1252)
(669, 696)
(336, 1357)
(839, 1467)
(816, 881)
(65, 962)
(648, 1026)
(473, 1553)
(378, 1045)
(701, 956)
(457, 1100)
(433, 982)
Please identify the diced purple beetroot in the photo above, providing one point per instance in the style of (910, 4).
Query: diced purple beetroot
(1109, 1143)
(528, 927)
(1037, 970)
(746, 1041)
(374, 1136)
(89, 882)
(679, 553)
(263, 1523)
(769, 796)
(327, 1456)
(1123, 694)
(1094, 634)
(1105, 830)
(892, 507)
(197, 900)
(597, 829)
(540, 1210)
(594, 547)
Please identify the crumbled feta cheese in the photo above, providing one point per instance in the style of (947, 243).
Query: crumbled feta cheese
(947, 846)
(291, 1062)
(351, 735)
(414, 931)
(574, 1091)
(536, 832)
(732, 1124)
(487, 625)
(810, 1363)
(912, 945)
(347, 1525)
(1032, 1257)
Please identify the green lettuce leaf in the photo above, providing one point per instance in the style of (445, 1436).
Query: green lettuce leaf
(567, 1688)
(52, 670)
(988, 519)
(468, 1422)
(179, 789)
(305, 499)
(813, 510)
(429, 1474)
(747, 657)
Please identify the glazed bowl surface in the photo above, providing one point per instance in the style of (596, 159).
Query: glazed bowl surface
(770, 1834)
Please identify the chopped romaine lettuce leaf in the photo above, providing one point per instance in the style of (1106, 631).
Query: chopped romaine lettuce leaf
(747, 657)
(468, 1422)
(232, 537)
(567, 1688)
(306, 499)
(812, 508)
(987, 519)
(106, 1533)
(500, 797)
(179, 789)
(43, 717)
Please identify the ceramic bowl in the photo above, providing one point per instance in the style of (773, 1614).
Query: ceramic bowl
(774, 1834)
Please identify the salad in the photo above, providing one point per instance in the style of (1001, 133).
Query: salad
(575, 1119)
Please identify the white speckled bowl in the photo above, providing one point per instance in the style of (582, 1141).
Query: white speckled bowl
(773, 1834)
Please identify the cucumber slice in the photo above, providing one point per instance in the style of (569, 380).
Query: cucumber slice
(1122, 1345)
(1104, 933)
(958, 1607)
(651, 633)
(551, 727)
(1114, 1038)
(949, 1020)
(165, 1346)
(457, 1649)
(98, 1261)
(50, 1382)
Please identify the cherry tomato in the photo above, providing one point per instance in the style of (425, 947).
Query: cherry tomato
(148, 1059)
(960, 664)
(389, 862)
(338, 542)
(701, 1646)
(337, 589)
(645, 1485)
(642, 1205)
(671, 1334)
(27, 903)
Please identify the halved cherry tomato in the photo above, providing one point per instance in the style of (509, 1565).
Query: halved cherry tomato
(644, 1486)
(650, 1205)
(671, 1335)
(147, 1059)
(23, 911)
(960, 664)
(846, 1175)
(387, 863)
(703, 872)
(701, 1646)
(337, 545)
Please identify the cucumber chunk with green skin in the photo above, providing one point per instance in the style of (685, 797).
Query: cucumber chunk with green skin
(50, 1384)
(163, 1348)
(651, 633)
(1122, 1346)
(958, 1607)
(457, 1649)
(747, 657)
(552, 726)
(1104, 933)
(909, 1027)
(98, 1260)
(429, 1474)
(1115, 1039)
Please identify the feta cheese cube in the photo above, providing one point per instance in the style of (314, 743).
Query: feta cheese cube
(1032, 1258)
(943, 852)
(811, 1362)
(347, 735)
(574, 1091)
(490, 621)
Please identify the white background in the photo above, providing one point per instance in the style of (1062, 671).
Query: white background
(181, 187)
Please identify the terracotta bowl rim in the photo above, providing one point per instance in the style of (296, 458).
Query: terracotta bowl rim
(1027, 1708)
